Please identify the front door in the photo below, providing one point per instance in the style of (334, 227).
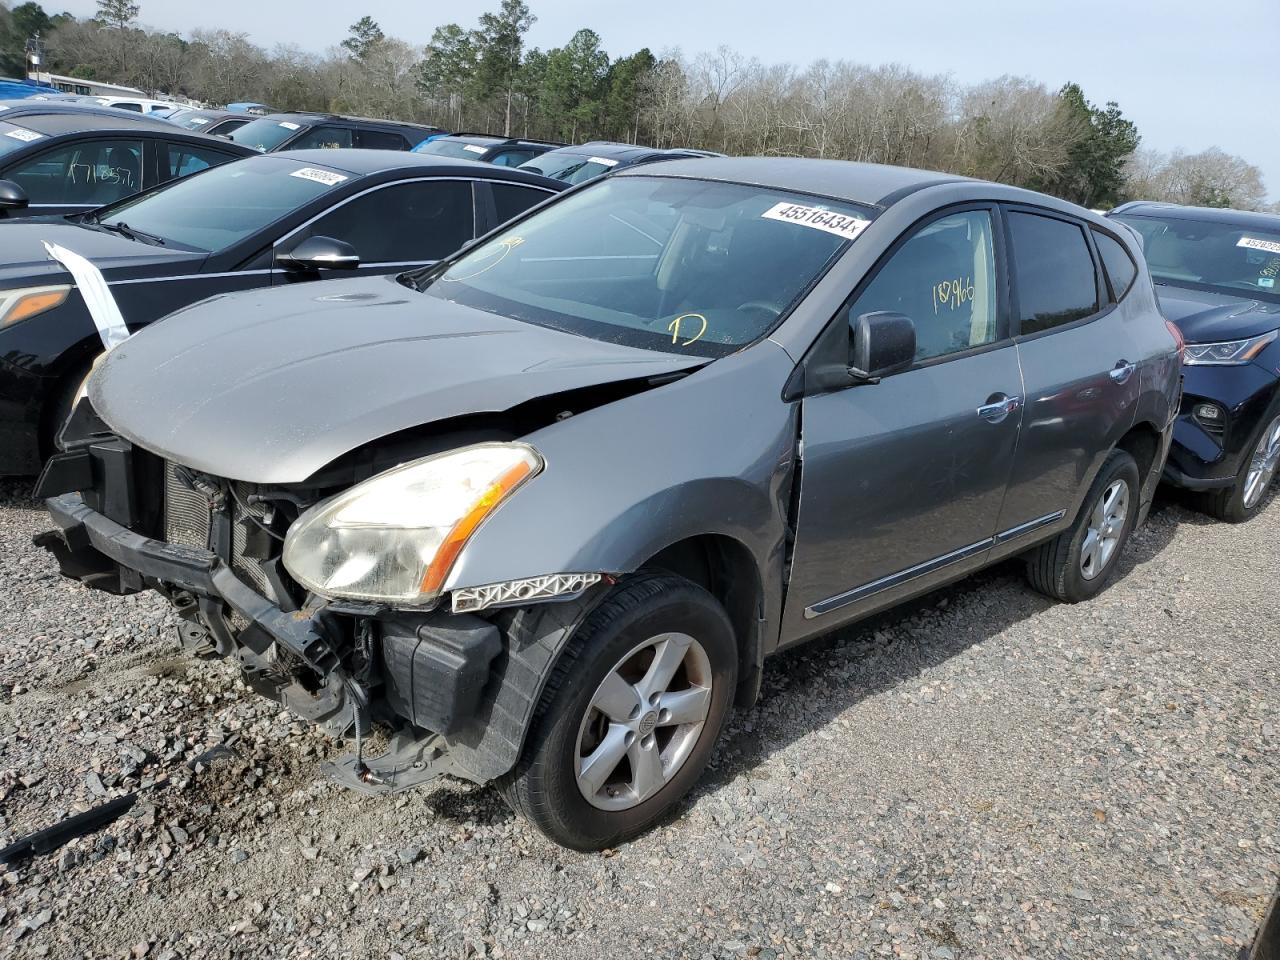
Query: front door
(902, 481)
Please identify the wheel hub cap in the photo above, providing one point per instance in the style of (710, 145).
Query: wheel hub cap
(1263, 464)
(643, 721)
(1106, 524)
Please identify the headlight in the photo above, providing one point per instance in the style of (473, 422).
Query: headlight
(1228, 352)
(27, 302)
(395, 537)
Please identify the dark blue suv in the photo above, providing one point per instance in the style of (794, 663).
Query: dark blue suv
(581, 163)
(1217, 274)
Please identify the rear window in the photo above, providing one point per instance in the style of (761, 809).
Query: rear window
(456, 149)
(14, 137)
(1053, 270)
(1120, 268)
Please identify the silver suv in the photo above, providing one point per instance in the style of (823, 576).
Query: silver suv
(543, 509)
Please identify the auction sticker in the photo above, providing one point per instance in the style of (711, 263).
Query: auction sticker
(603, 161)
(26, 136)
(327, 177)
(818, 218)
(473, 148)
(288, 125)
(199, 121)
(1253, 243)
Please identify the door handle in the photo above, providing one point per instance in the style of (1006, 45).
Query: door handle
(1122, 371)
(998, 406)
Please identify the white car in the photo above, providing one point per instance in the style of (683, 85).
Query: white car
(136, 104)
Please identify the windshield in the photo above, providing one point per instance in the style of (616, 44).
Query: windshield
(569, 167)
(265, 133)
(14, 137)
(221, 206)
(456, 149)
(1217, 257)
(674, 265)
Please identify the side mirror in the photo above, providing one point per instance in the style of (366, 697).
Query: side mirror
(880, 344)
(12, 196)
(320, 253)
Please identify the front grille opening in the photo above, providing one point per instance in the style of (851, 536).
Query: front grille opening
(186, 511)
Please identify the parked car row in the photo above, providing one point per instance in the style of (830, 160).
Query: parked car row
(537, 477)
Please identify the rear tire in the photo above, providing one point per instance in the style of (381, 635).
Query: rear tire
(1249, 493)
(1079, 562)
(605, 699)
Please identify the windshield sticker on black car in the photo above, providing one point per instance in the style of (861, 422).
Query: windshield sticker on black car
(473, 148)
(603, 161)
(1253, 243)
(26, 136)
(818, 218)
(327, 177)
(674, 327)
(289, 126)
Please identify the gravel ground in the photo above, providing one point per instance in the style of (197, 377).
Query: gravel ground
(985, 774)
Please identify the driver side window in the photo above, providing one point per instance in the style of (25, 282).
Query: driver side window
(944, 279)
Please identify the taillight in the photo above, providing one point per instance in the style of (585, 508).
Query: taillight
(1178, 338)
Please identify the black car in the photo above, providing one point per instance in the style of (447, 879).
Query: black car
(308, 131)
(260, 222)
(487, 148)
(72, 161)
(217, 123)
(1217, 273)
(580, 163)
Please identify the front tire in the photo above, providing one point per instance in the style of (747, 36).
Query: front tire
(1246, 497)
(629, 716)
(1079, 562)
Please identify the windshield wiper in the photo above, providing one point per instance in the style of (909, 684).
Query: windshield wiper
(131, 233)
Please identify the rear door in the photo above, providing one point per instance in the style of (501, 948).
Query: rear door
(394, 227)
(1078, 366)
(901, 481)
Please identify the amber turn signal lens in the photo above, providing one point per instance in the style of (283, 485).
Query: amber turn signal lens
(456, 539)
(36, 302)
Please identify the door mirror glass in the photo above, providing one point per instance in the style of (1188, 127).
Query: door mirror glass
(320, 253)
(12, 196)
(881, 343)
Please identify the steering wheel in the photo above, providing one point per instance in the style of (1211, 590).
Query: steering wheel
(770, 308)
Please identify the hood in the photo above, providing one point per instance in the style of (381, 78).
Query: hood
(24, 261)
(1205, 317)
(268, 386)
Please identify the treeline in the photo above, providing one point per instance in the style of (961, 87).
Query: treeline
(484, 77)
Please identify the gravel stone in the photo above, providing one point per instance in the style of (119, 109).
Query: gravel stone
(983, 773)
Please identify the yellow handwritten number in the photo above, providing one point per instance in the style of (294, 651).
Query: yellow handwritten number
(674, 327)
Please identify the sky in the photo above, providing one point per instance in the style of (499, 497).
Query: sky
(1190, 74)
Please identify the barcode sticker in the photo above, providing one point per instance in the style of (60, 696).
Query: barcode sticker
(603, 161)
(473, 148)
(1253, 243)
(818, 218)
(26, 136)
(327, 177)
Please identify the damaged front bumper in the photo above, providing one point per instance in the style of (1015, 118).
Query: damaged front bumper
(340, 667)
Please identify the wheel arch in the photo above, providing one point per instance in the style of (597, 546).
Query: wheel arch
(725, 568)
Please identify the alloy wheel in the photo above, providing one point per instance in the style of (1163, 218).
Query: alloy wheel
(1106, 525)
(1262, 465)
(643, 721)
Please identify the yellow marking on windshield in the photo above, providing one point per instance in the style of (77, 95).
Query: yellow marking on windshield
(674, 327)
(952, 293)
(506, 243)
